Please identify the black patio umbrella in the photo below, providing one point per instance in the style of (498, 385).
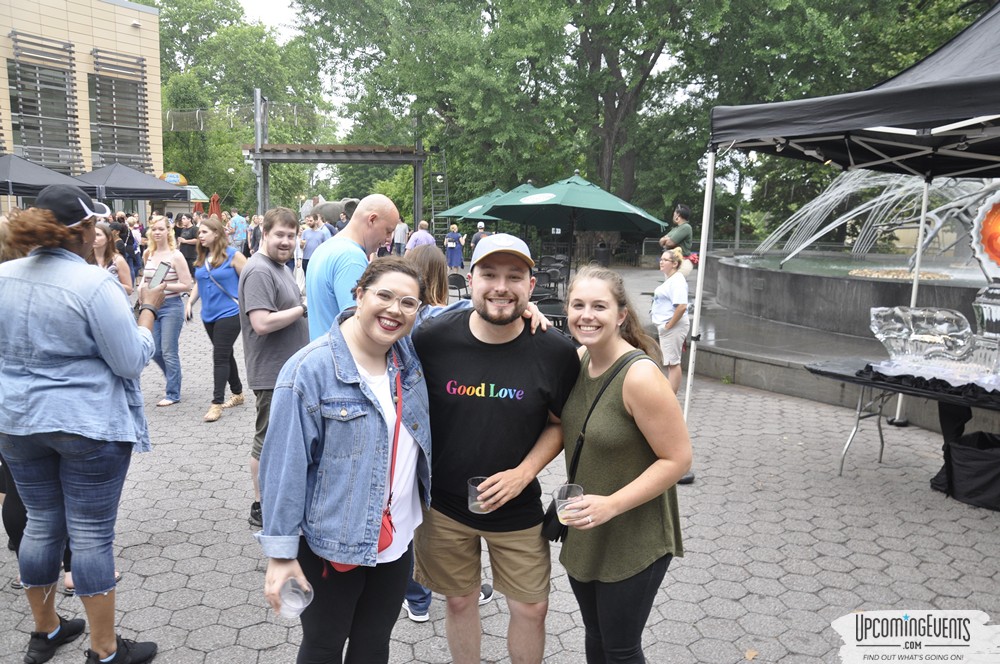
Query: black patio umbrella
(122, 182)
(20, 177)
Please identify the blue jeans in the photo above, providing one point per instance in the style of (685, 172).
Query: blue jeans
(614, 614)
(417, 597)
(71, 487)
(166, 336)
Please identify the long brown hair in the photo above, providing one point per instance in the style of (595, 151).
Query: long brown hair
(217, 251)
(631, 329)
(110, 246)
(429, 261)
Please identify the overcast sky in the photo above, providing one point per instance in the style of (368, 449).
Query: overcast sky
(277, 14)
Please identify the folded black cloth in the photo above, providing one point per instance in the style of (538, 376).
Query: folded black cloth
(933, 388)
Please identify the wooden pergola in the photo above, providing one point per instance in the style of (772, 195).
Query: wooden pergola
(276, 153)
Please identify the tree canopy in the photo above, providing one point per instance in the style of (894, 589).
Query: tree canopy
(519, 89)
(514, 90)
(212, 59)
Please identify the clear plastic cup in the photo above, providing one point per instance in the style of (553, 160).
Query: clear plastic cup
(476, 505)
(294, 599)
(565, 496)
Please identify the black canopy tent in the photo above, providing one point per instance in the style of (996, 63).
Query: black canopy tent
(122, 182)
(939, 118)
(20, 177)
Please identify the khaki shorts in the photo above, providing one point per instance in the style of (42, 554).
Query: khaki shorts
(672, 341)
(263, 418)
(449, 556)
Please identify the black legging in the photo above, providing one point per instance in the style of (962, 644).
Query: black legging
(361, 605)
(614, 614)
(223, 333)
(15, 517)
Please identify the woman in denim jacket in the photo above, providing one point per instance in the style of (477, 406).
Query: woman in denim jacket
(325, 467)
(70, 352)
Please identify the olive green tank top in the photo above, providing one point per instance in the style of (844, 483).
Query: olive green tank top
(614, 454)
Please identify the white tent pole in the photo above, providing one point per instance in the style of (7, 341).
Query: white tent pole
(898, 420)
(706, 218)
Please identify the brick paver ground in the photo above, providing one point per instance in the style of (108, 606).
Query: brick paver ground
(777, 544)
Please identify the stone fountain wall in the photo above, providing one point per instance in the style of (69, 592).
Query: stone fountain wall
(834, 304)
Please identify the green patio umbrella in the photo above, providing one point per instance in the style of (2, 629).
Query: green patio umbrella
(511, 197)
(576, 203)
(470, 209)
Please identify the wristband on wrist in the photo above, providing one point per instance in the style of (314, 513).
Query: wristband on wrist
(150, 308)
(305, 310)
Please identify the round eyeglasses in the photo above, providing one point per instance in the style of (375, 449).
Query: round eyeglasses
(407, 304)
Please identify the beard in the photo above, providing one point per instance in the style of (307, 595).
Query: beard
(280, 255)
(482, 308)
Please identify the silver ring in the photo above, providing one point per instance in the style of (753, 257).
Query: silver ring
(590, 519)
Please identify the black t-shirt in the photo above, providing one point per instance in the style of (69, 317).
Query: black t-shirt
(189, 251)
(125, 242)
(488, 404)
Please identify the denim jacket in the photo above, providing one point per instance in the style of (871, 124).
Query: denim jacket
(325, 462)
(71, 353)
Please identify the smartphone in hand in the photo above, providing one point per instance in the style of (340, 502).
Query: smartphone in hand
(161, 272)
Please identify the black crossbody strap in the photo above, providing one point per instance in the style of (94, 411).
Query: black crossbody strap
(583, 430)
(218, 285)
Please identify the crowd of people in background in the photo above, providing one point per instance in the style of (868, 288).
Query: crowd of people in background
(349, 334)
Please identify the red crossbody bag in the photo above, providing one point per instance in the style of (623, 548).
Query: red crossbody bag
(386, 529)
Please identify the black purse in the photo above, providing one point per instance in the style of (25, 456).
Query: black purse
(552, 530)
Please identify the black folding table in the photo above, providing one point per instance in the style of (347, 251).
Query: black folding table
(955, 404)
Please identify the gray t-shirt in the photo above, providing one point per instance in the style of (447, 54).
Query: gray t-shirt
(267, 285)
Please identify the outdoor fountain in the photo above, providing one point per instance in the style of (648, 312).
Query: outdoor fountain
(835, 291)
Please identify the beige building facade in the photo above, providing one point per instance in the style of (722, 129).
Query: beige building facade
(82, 84)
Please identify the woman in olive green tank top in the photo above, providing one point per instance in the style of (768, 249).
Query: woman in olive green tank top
(626, 528)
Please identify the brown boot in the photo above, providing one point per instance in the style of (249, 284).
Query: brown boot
(214, 412)
(235, 400)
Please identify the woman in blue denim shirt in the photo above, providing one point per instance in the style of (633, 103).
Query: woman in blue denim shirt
(70, 352)
(325, 469)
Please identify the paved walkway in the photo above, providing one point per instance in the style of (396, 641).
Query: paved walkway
(777, 544)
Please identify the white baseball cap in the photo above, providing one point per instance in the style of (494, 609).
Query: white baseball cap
(502, 243)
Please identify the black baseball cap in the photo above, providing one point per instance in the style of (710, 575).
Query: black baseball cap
(69, 204)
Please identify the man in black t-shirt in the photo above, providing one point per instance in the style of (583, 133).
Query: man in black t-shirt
(496, 392)
(187, 239)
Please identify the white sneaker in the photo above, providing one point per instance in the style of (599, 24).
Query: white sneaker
(415, 617)
(485, 594)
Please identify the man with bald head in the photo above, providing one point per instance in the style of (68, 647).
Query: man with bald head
(338, 263)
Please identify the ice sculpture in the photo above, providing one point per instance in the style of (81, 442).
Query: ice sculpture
(923, 333)
(938, 343)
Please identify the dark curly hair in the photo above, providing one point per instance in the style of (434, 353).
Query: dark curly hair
(387, 264)
(27, 229)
